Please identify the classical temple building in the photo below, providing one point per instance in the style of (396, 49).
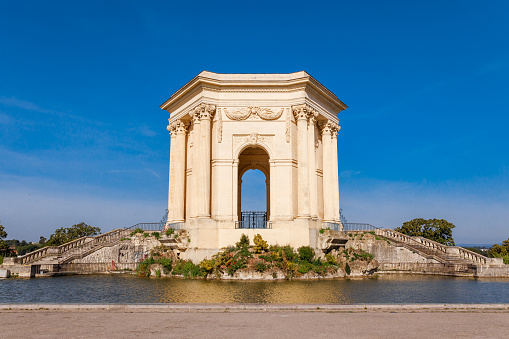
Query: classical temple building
(222, 125)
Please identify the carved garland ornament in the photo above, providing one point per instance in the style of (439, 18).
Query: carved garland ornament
(246, 112)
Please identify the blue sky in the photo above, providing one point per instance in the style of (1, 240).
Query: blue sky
(82, 137)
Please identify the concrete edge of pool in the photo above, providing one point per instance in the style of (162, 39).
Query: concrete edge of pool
(253, 307)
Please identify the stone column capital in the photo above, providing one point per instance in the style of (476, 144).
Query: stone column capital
(304, 112)
(181, 127)
(328, 127)
(203, 111)
(177, 127)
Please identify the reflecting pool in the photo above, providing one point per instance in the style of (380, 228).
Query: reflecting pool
(132, 289)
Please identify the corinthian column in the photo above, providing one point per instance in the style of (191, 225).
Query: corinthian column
(313, 193)
(328, 169)
(335, 175)
(171, 181)
(301, 113)
(206, 112)
(195, 182)
(179, 169)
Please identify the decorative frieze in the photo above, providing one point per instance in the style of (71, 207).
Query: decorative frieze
(253, 139)
(244, 113)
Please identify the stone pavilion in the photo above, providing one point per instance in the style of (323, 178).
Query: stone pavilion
(221, 126)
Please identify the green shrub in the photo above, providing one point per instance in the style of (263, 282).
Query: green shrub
(146, 235)
(317, 262)
(208, 265)
(330, 259)
(188, 269)
(136, 231)
(304, 268)
(322, 231)
(260, 244)
(1, 260)
(166, 263)
(157, 235)
(347, 269)
(378, 238)
(158, 273)
(265, 257)
(244, 252)
(144, 267)
(169, 231)
(243, 242)
(289, 253)
(236, 263)
(372, 232)
(261, 266)
(124, 239)
(306, 253)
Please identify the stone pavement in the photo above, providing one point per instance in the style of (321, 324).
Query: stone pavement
(253, 320)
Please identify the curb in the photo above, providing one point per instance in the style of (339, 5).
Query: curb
(254, 307)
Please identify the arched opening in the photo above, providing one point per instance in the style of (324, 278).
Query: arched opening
(254, 188)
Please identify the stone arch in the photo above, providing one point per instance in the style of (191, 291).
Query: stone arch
(253, 157)
(245, 145)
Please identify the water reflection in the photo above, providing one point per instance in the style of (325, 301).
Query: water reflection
(132, 289)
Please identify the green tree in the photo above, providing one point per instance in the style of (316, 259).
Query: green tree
(438, 230)
(4, 247)
(3, 234)
(497, 251)
(64, 235)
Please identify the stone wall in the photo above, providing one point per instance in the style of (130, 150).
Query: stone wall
(385, 251)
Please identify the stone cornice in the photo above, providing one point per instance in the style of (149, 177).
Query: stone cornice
(253, 83)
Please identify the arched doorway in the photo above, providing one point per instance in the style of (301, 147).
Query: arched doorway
(253, 158)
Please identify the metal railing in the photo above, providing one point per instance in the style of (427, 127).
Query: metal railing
(175, 225)
(253, 219)
(333, 226)
(144, 226)
(253, 224)
(359, 227)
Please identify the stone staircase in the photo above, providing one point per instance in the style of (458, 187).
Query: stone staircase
(76, 249)
(453, 255)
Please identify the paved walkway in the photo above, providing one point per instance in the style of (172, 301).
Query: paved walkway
(265, 321)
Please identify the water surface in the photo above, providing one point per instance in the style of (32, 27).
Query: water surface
(399, 289)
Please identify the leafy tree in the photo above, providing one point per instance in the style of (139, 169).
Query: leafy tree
(64, 235)
(497, 251)
(22, 250)
(42, 240)
(438, 230)
(3, 234)
(4, 247)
